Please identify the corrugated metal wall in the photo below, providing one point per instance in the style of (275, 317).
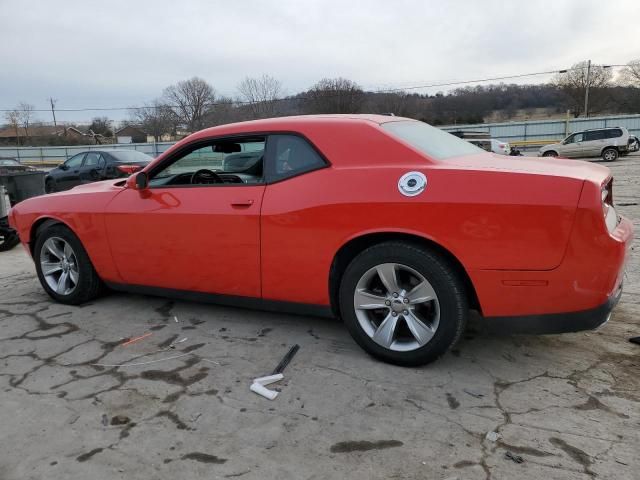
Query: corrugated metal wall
(60, 154)
(550, 129)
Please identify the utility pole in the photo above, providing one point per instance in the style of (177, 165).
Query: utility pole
(586, 91)
(53, 111)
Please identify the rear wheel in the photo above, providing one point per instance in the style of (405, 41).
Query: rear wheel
(64, 268)
(610, 154)
(403, 304)
(550, 153)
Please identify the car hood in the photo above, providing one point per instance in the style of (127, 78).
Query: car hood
(95, 187)
(556, 167)
(551, 146)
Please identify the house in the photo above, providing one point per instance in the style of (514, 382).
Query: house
(131, 134)
(9, 136)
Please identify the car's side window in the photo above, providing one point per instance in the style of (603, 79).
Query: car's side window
(75, 161)
(214, 162)
(595, 135)
(290, 155)
(614, 133)
(92, 159)
(102, 162)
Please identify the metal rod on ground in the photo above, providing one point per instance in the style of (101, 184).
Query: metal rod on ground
(286, 359)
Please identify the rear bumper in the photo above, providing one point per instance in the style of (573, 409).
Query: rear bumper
(555, 322)
(588, 278)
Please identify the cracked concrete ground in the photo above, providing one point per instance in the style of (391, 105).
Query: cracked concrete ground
(567, 405)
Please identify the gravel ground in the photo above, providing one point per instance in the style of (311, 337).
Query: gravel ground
(566, 405)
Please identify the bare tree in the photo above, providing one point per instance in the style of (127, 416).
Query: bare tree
(156, 118)
(190, 100)
(630, 75)
(26, 116)
(101, 126)
(573, 83)
(13, 119)
(261, 95)
(334, 95)
(224, 111)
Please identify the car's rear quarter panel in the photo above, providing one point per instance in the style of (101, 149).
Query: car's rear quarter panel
(488, 220)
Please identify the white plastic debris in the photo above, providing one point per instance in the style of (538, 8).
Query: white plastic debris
(258, 385)
(493, 436)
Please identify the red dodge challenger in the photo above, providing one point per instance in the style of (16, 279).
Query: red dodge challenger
(393, 225)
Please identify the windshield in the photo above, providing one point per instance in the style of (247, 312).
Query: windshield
(431, 141)
(124, 156)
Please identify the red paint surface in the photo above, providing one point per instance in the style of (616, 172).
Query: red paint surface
(530, 233)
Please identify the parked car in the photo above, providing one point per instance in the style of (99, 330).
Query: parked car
(492, 145)
(95, 165)
(608, 143)
(11, 165)
(395, 226)
(634, 143)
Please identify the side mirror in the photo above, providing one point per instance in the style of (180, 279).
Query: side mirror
(63, 167)
(140, 181)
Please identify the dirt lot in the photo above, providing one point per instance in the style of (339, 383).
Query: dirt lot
(567, 405)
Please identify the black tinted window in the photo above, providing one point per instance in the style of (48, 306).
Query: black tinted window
(595, 135)
(291, 155)
(614, 133)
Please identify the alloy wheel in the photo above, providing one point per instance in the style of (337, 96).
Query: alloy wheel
(397, 307)
(59, 266)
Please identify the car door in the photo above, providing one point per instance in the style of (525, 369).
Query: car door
(92, 167)
(184, 233)
(297, 176)
(69, 172)
(593, 143)
(572, 146)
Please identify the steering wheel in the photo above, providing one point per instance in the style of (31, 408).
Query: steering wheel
(205, 176)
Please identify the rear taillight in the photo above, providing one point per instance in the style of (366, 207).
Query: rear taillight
(606, 195)
(129, 169)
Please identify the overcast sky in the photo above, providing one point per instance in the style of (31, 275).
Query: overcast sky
(122, 53)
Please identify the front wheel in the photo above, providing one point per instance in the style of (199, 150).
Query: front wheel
(550, 154)
(64, 268)
(403, 304)
(610, 154)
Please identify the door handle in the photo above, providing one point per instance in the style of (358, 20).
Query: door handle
(242, 203)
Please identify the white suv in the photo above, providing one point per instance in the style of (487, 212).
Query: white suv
(608, 143)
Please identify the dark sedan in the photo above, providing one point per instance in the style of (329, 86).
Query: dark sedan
(11, 165)
(93, 166)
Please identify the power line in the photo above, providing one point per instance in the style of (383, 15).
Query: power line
(302, 98)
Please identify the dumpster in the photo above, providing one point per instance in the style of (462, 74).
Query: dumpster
(23, 185)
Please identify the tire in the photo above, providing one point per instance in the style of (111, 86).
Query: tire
(441, 319)
(8, 239)
(550, 153)
(610, 154)
(83, 281)
(49, 186)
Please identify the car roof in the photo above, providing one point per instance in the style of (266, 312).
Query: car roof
(601, 128)
(289, 123)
